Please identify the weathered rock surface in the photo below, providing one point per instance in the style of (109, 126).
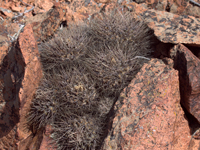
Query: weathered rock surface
(32, 75)
(168, 27)
(148, 112)
(11, 75)
(8, 32)
(19, 76)
(180, 7)
(188, 66)
(45, 25)
(46, 140)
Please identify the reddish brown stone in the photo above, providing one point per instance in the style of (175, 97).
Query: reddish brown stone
(102, 1)
(8, 31)
(17, 8)
(45, 4)
(45, 145)
(179, 7)
(20, 75)
(9, 141)
(32, 75)
(148, 113)
(44, 25)
(80, 10)
(168, 27)
(32, 142)
(188, 66)
(11, 76)
(12, 68)
(6, 12)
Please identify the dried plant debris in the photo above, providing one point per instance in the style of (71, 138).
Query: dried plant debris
(86, 67)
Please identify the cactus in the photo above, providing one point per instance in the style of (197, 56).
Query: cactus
(118, 46)
(85, 68)
(64, 50)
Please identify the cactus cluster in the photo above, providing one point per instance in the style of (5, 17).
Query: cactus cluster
(65, 50)
(85, 68)
(118, 46)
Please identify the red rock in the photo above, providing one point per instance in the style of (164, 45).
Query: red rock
(17, 8)
(188, 66)
(6, 12)
(32, 142)
(44, 25)
(9, 141)
(102, 1)
(9, 31)
(45, 4)
(148, 113)
(11, 73)
(168, 27)
(79, 10)
(32, 75)
(20, 75)
(46, 140)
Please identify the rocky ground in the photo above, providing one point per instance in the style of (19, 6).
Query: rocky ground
(158, 110)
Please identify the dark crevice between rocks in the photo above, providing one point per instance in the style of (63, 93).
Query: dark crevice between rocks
(195, 50)
(162, 51)
(64, 24)
(192, 121)
(167, 8)
(180, 64)
(12, 73)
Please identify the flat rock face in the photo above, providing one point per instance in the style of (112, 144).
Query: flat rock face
(19, 77)
(188, 66)
(180, 7)
(168, 27)
(44, 25)
(148, 112)
(32, 74)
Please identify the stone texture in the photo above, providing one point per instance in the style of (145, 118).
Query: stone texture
(168, 27)
(179, 7)
(188, 66)
(8, 30)
(20, 73)
(11, 75)
(148, 113)
(44, 25)
(32, 75)
(46, 140)
(9, 141)
(81, 10)
(32, 142)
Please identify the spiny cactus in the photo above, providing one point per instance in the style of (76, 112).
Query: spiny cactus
(64, 50)
(118, 46)
(69, 103)
(85, 68)
(77, 132)
(43, 106)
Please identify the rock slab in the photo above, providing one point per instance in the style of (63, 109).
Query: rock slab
(188, 66)
(148, 112)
